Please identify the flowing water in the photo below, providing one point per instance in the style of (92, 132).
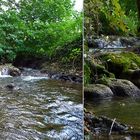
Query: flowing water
(39, 108)
(113, 44)
(125, 110)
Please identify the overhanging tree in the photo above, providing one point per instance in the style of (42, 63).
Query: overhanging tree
(38, 26)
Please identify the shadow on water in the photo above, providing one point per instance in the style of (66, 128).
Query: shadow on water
(40, 109)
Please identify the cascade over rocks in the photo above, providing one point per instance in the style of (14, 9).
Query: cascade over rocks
(113, 42)
(8, 69)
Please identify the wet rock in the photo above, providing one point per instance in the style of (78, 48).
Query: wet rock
(8, 69)
(121, 87)
(72, 78)
(14, 72)
(133, 133)
(133, 76)
(102, 124)
(92, 91)
(114, 87)
(116, 127)
(10, 86)
(67, 77)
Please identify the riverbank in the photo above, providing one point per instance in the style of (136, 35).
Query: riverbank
(112, 89)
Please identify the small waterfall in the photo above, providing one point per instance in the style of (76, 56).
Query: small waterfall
(108, 43)
(4, 72)
(115, 42)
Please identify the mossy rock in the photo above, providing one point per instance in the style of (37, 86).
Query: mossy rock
(123, 88)
(94, 72)
(133, 76)
(104, 80)
(119, 63)
(93, 91)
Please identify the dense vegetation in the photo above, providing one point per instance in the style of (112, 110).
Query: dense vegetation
(37, 28)
(109, 17)
(111, 66)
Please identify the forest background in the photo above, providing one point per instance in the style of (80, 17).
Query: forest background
(34, 29)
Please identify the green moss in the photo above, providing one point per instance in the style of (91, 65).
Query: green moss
(87, 73)
(118, 63)
(104, 80)
(94, 71)
(133, 58)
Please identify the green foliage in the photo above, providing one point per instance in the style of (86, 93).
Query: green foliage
(115, 15)
(72, 56)
(119, 63)
(110, 17)
(87, 74)
(91, 17)
(6, 54)
(38, 27)
(104, 80)
(70, 53)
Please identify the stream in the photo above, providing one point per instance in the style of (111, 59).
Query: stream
(113, 44)
(39, 108)
(125, 110)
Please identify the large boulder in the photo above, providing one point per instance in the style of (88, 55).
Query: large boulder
(114, 87)
(14, 72)
(121, 87)
(93, 91)
(133, 76)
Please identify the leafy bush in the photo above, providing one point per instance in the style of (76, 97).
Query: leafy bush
(117, 17)
(39, 28)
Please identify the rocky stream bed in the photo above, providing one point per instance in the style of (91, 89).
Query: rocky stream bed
(36, 105)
